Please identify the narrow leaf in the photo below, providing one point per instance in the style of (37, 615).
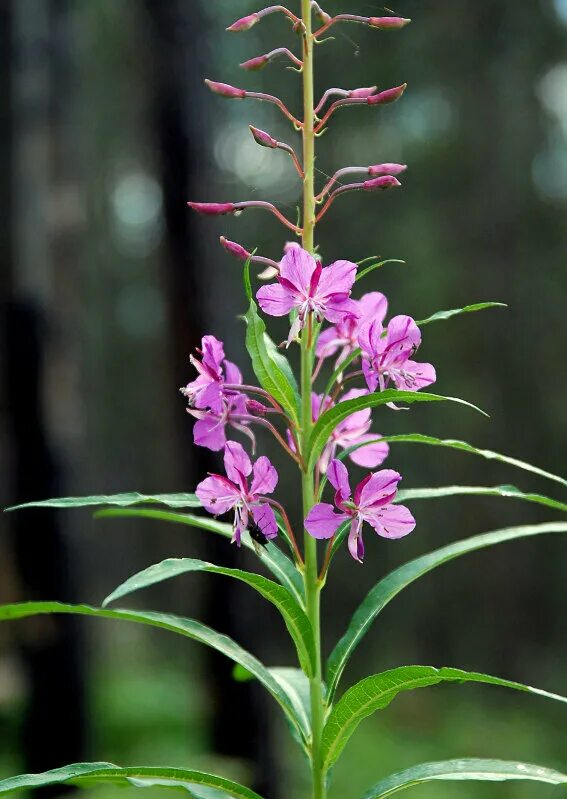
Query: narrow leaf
(508, 492)
(270, 367)
(440, 316)
(340, 369)
(376, 692)
(466, 769)
(391, 585)
(327, 422)
(177, 624)
(86, 774)
(272, 557)
(119, 500)
(296, 621)
(377, 265)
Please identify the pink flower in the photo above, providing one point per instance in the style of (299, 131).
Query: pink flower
(207, 390)
(220, 494)
(386, 355)
(308, 287)
(372, 503)
(343, 337)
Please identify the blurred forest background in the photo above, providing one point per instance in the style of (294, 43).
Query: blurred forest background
(108, 282)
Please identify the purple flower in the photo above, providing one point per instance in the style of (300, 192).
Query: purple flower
(343, 337)
(308, 287)
(207, 391)
(386, 355)
(372, 503)
(351, 431)
(220, 494)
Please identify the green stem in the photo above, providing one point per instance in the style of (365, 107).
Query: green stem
(312, 585)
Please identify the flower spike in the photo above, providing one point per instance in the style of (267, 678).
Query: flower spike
(259, 62)
(245, 23)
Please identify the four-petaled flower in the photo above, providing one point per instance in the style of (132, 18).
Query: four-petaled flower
(220, 494)
(306, 286)
(343, 336)
(386, 355)
(372, 503)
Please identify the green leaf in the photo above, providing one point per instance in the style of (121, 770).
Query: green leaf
(440, 316)
(507, 491)
(418, 438)
(120, 500)
(295, 619)
(340, 369)
(272, 557)
(246, 277)
(176, 624)
(87, 774)
(466, 769)
(377, 265)
(270, 367)
(391, 585)
(327, 422)
(376, 692)
(296, 686)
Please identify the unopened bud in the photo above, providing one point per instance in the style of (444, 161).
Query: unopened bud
(387, 96)
(255, 64)
(388, 23)
(235, 249)
(386, 169)
(384, 182)
(244, 24)
(321, 15)
(262, 138)
(256, 407)
(213, 209)
(225, 90)
(359, 94)
(269, 273)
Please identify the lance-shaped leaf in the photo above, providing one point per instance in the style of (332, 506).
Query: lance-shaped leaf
(387, 588)
(176, 624)
(441, 316)
(376, 692)
(272, 557)
(89, 774)
(327, 422)
(295, 619)
(460, 770)
(270, 367)
(377, 265)
(463, 446)
(508, 492)
(118, 500)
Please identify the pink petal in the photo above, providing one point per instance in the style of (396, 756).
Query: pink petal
(265, 518)
(217, 495)
(337, 278)
(213, 353)
(372, 455)
(232, 373)
(393, 521)
(357, 422)
(265, 477)
(236, 462)
(355, 542)
(323, 522)
(209, 432)
(373, 307)
(338, 307)
(370, 375)
(379, 489)
(328, 343)
(275, 300)
(403, 335)
(370, 338)
(209, 397)
(337, 474)
(416, 376)
(297, 266)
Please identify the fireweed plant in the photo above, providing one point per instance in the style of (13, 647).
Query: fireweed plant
(323, 426)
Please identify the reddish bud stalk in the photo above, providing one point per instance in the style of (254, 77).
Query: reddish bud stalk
(380, 23)
(382, 98)
(265, 140)
(234, 93)
(373, 171)
(245, 23)
(242, 254)
(219, 209)
(259, 62)
(268, 98)
(344, 93)
(383, 183)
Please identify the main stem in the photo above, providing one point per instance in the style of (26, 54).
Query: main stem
(312, 586)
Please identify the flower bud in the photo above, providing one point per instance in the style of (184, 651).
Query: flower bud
(235, 249)
(321, 15)
(225, 90)
(253, 406)
(213, 209)
(386, 169)
(268, 274)
(255, 64)
(358, 94)
(384, 182)
(387, 96)
(262, 138)
(244, 24)
(388, 23)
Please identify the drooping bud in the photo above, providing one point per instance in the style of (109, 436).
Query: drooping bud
(387, 96)
(253, 406)
(235, 249)
(213, 209)
(359, 94)
(321, 15)
(244, 24)
(225, 90)
(386, 169)
(388, 23)
(384, 182)
(255, 64)
(263, 139)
